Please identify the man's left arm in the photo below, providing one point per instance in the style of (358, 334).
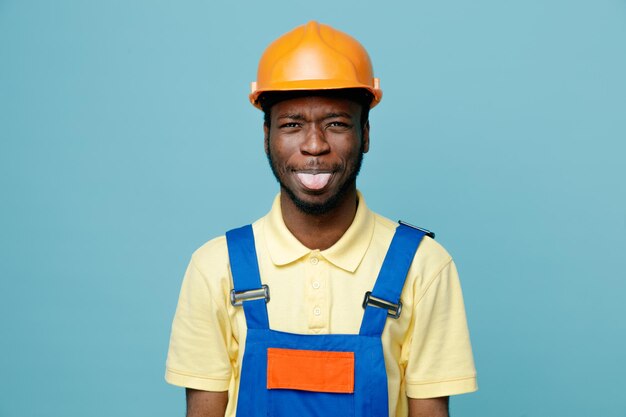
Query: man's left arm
(431, 407)
(439, 354)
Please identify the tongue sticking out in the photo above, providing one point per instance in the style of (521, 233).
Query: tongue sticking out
(314, 181)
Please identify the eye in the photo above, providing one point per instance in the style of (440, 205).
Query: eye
(290, 125)
(338, 125)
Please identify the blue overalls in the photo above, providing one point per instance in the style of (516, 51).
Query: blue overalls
(285, 374)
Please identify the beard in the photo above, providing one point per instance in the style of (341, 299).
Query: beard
(333, 201)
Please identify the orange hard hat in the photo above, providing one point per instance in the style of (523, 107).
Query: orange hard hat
(315, 57)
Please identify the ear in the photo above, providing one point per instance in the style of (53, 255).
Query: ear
(266, 139)
(365, 137)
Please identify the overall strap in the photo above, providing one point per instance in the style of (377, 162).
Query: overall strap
(390, 280)
(246, 277)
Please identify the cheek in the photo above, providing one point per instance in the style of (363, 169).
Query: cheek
(350, 149)
(283, 148)
(279, 153)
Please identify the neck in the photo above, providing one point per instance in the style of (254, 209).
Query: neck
(319, 231)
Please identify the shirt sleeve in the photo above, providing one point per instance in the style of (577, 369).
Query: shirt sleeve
(440, 361)
(201, 341)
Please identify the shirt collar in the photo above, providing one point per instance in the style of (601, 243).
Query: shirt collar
(346, 253)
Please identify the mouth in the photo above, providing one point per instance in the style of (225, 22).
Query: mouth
(314, 180)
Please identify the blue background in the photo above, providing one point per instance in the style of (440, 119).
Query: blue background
(127, 141)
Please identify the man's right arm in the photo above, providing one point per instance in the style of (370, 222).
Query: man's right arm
(206, 403)
(202, 344)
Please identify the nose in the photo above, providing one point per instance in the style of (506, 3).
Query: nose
(315, 142)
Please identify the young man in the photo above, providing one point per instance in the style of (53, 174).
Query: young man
(322, 307)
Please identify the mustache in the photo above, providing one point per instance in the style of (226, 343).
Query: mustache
(314, 164)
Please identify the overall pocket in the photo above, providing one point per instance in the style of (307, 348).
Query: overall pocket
(310, 383)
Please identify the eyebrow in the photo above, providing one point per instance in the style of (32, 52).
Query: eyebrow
(292, 116)
(298, 116)
(340, 114)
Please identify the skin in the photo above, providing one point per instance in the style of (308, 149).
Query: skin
(206, 403)
(317, 134)
(430, 407)
(314, 134)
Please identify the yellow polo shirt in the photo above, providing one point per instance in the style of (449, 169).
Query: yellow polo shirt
(427, 350)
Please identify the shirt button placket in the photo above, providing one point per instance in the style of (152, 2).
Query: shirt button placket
(318, 306)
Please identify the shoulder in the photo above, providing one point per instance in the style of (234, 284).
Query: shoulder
(209, 269)
(211, 254)
(214, 253)
(430, 258)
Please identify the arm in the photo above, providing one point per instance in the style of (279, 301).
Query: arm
(431, 407)
(202, 345)
(206, 403)
(439, 354)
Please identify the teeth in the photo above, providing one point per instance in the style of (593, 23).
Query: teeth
(314, 181)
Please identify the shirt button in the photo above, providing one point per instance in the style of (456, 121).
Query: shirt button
(317, 311)
(314, 261)
(316, 285)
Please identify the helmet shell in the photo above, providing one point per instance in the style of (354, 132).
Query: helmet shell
(315, 57)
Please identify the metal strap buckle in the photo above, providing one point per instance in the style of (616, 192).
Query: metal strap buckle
(393, 310)
(238, 297)
(426, 231)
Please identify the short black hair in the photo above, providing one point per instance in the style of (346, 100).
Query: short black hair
(358, 95)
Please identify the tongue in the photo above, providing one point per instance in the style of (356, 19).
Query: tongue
(314, 181)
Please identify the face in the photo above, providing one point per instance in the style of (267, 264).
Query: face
(315, 146)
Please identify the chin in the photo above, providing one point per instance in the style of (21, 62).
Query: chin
(315, 204)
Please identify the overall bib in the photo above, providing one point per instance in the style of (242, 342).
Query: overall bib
(285, 374)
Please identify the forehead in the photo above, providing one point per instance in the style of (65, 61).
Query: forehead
(313, 105)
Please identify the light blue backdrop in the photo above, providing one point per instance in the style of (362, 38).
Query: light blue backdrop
(127, 141)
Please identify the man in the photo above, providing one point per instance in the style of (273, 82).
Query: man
(322, 307)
